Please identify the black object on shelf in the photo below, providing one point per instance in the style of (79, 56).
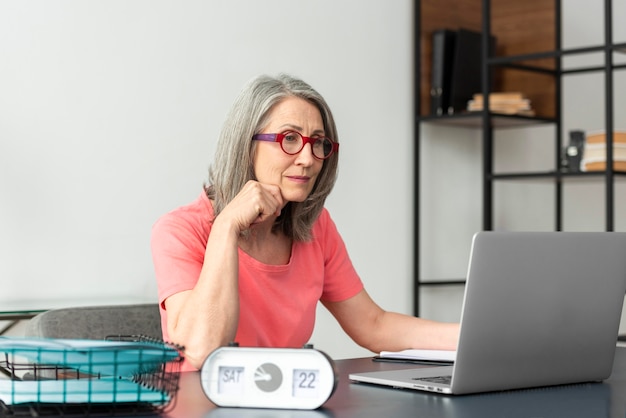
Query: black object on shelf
(573, 152)
(441, 71)
(466, 69)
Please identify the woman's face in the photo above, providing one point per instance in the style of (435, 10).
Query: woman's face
(294, 174)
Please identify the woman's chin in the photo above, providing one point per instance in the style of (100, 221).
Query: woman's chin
(295, 195)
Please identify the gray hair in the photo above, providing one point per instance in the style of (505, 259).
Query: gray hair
(233, 164)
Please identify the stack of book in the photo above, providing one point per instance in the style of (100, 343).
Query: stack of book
(507, 103)
(594, 154)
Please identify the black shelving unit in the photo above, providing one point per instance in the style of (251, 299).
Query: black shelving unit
(488, 122)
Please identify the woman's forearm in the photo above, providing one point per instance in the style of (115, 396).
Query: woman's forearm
(207, 316)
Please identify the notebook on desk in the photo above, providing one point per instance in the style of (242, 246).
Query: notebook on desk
(540, 309)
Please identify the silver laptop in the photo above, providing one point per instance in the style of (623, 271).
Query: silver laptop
(540, 309)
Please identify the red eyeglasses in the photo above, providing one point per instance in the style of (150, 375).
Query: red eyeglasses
(292, 143)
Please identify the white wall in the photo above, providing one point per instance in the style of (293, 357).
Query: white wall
(109, 113)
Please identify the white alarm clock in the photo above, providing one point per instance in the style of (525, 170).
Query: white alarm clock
(282, 378)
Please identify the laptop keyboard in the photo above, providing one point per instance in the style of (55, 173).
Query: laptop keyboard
(445, 380)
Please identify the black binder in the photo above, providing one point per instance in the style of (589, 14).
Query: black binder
(441, 70)
(466, 68)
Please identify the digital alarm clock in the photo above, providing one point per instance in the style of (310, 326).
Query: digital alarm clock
(281, 378)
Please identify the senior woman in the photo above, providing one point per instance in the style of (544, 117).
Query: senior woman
(250, 258)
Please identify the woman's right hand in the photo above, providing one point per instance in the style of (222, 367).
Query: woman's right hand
(254, 204)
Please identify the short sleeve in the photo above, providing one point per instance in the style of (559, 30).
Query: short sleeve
(178, 245)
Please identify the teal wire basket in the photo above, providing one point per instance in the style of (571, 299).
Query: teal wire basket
(118, 376)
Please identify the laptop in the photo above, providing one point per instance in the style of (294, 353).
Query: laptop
(540, 309)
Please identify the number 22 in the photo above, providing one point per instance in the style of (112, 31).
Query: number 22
(307, 380)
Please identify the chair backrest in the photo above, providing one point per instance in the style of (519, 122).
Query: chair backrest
(97, 322)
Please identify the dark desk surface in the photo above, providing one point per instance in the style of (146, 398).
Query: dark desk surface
(594, 400)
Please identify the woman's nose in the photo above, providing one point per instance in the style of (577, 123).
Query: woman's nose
(305, 156)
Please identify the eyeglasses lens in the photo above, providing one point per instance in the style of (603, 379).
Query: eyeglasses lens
(292, 143)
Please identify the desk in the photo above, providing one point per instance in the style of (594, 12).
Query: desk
(594, 400)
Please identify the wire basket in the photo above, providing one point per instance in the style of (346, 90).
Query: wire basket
(121, 375)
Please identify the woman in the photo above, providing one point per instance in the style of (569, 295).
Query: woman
(251, 257)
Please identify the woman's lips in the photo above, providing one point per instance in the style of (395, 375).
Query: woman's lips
(299, 179)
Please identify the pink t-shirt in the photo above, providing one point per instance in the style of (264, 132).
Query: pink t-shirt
(277, 302)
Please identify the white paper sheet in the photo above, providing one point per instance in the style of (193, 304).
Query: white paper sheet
(421, 355)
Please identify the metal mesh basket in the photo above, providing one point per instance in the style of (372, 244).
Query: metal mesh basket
(132, 375)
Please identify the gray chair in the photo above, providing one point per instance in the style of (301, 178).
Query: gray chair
(97, 322)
